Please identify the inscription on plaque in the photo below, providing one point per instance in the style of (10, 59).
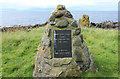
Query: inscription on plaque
(62, 43)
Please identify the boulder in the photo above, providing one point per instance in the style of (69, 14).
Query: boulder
(85, 21)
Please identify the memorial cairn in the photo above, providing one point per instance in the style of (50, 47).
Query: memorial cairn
(63, 52)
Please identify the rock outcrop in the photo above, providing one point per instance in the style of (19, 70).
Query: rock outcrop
(85, 21)
(107, 25)
(81, 60)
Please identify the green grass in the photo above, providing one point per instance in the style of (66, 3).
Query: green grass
(19, 49)
(103, 45)
(18, 52)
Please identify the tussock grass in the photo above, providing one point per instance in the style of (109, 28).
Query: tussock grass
(19, 49)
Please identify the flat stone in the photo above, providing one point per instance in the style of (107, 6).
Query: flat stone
(77, 54)
(62, 23)
(77, 31)
(73, 73)
(47, 69)
(68, 15)
(74, 23)
(56, 72)
(61, 61)
(58, 14)
(77, 41)
(86, 51)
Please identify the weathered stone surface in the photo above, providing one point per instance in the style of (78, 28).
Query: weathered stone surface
(46, 41)
(58, 14)
(52, 20)
(68, 14)
(56, 72)
(60, 62)
(73, 73)
(86, 51)
(74, 23)
(61, 7)
(83, 45)
(62, 23)
(85, 21)
(77, 31)
(46, 69)
(48, 32)
(77, 54)
(47, 53)
(77, 41)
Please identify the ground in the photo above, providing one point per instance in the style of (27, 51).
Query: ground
(19, 49)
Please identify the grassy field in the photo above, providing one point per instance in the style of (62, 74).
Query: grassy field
(19, 49)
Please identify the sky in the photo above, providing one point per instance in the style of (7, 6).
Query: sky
(45, 5)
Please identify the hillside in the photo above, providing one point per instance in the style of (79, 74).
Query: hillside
(19, 49)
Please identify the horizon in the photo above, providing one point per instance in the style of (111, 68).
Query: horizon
(45, 5)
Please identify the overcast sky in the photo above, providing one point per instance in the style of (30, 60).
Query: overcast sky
(82, 5)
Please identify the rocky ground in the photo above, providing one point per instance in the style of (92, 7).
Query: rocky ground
(23, 28)
(107, 24)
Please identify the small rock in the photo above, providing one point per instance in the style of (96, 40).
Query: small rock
(77, 41)
(52, 23)
(46, 42)
(58, 14)
(52, 18)
(74, 23)
(55, 72)
(77, 31)
(60, 7)
(77, 54)
(62, 23)
(69, 15)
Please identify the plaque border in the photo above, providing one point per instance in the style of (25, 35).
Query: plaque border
(53, 45)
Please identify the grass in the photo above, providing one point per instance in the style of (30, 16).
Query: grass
(19, 49)
(103, 45)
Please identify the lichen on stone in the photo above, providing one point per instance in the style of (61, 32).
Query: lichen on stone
(85, 21)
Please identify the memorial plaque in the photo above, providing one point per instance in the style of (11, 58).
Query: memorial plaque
(62, 43)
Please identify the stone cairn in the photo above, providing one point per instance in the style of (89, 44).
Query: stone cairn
(85, 21)
(50, 62)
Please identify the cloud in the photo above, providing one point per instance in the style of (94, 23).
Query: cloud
(27, 4)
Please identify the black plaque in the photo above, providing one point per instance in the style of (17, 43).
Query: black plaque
(62, 43)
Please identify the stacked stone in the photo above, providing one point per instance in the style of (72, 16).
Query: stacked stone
(85, 21)
(81, 61)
